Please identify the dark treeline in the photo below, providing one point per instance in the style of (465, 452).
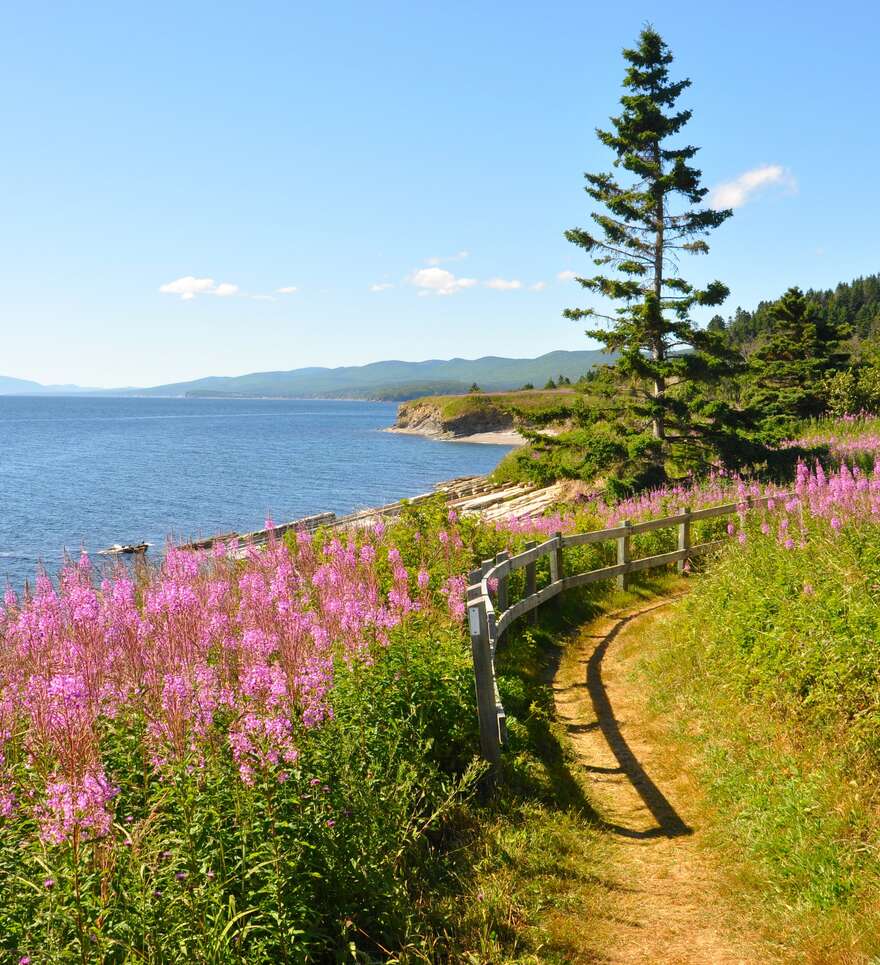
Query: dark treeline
(854, 304)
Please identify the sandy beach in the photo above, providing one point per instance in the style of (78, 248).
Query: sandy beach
(506, 437)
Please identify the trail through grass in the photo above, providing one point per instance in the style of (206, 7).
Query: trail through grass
(667, 899)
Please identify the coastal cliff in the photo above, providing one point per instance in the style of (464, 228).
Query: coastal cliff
(483, 417)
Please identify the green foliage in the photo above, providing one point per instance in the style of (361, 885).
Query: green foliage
(786, 371)
(852, 390)
(780, 701)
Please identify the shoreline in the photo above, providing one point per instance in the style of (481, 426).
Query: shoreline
(503, 437)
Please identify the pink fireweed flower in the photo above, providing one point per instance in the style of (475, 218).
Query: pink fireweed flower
(454, 589)
(83, 805)
(205, 655)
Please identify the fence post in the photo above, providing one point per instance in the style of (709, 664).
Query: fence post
(487, 715)
(623, 555)
(556, 571)
(502, 583)
(532, 580)
(684, 539)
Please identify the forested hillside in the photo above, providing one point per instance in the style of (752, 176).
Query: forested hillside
(855, 304)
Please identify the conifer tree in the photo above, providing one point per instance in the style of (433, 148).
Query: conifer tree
(664, 361)
(786, 373)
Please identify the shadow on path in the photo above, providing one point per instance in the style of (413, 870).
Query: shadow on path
(669, 823)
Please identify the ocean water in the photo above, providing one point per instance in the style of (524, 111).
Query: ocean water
(87, 472)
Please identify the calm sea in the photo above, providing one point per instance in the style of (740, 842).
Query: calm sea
(92, 472)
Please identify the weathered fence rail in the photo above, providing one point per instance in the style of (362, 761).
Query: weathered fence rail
(487, 624)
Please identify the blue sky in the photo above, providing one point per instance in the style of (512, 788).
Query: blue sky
(357, 152)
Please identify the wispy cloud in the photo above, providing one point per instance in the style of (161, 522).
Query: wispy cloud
(566, 275)
(503, 284)
(381, 286)
(539, 286)
(438, 281)
(458, 256)
(742, 189)
(188, 287)
(225, 290)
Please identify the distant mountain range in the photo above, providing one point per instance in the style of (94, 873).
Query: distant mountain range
(10, 386)
(391, 380)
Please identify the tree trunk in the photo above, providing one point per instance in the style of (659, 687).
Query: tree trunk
(658, 422)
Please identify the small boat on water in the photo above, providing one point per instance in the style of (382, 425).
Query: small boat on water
(125, 549)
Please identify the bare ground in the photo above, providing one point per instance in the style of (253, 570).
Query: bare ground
(668, 903)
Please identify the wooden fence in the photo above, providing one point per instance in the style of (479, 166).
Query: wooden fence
(486, 625)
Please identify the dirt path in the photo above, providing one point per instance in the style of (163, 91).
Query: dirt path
(669, 905)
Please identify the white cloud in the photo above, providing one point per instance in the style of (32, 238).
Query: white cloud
(539, 286)
(567, 275)
(736, 193)
(288, 290)
(503, 284)
(458, 256)
(381, 286)
(187, 287)
(438, 281)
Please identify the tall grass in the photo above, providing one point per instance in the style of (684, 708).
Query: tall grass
(771, 668)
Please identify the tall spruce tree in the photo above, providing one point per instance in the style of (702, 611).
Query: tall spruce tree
(664, 361)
